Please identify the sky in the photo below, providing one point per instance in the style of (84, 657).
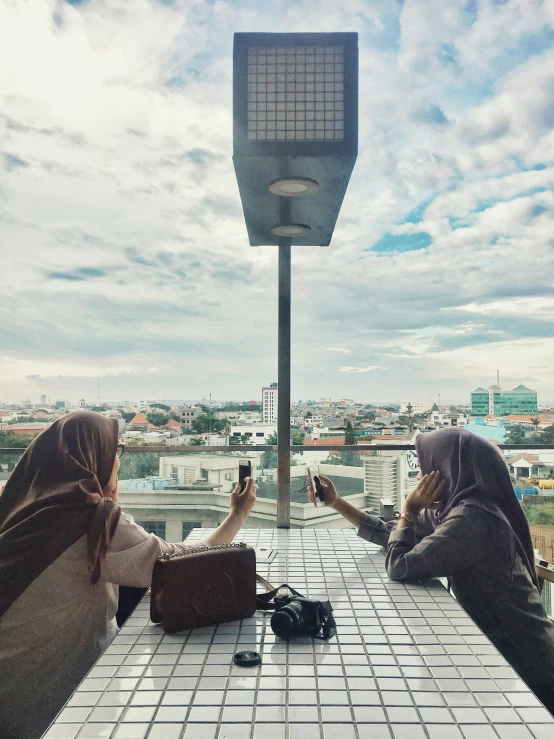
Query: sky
(124, 254)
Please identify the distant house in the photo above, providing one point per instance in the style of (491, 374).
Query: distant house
(525, 465)
(140, 423)
(174, 427)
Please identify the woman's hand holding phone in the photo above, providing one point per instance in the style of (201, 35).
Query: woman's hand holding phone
(330, 495)
(241, 503)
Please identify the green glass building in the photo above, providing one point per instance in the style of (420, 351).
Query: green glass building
(521, 401)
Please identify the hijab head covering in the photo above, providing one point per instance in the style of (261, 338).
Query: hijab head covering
(475, 473)
(54, 496)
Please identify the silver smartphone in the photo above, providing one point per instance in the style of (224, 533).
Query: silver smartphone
(315, 482)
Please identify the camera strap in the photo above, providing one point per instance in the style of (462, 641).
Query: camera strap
(329, 626)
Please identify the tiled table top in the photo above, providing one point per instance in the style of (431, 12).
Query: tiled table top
(407, 663)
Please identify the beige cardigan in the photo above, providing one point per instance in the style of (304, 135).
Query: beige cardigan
(55, 631)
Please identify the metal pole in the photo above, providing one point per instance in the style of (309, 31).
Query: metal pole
(283, 379)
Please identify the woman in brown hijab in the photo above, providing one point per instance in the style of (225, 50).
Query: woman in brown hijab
(65, 545)
(464, 522)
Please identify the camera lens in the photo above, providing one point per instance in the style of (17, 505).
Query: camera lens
(287, 621)
(284, 623)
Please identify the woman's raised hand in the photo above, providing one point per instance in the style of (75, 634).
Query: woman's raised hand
(242, 503)
(426, 494)
(329, 491)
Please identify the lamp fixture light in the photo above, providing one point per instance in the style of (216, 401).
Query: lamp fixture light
(290, 187)
(291, 230)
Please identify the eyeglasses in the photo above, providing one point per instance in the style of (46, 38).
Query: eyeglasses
(120, 449)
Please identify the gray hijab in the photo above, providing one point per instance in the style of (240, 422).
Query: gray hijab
(476, 473)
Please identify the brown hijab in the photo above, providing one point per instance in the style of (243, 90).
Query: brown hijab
(54, 497)
(476, 473)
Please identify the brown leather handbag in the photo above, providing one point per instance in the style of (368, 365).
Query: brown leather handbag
(203, 587)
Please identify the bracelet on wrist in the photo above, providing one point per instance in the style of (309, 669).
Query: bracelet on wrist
(409, 517)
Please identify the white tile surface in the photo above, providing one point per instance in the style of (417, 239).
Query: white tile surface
(408, 663)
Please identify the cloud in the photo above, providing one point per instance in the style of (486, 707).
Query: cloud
(431, 114)
(79, 275)
(402, 242)
(12, 162)
(362, 369)
(123, 229)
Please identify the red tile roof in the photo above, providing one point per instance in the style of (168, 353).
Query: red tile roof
(141, 420)
(173, 424)
(531, 458)
(527, 419)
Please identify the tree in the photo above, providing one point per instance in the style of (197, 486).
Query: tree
(175, 416)
(367, 416)
(349, 438)
(97, 408)
(547, 436)
(162, 406)
(127, 415)
(514, 434)
(139, 464)
(269, 459)
(10, 438)
(345, 458)
(206, 423)
(24, 419)
(156, 419)
(236, 439)
(298, 438)
(197, 441)
(535, 421)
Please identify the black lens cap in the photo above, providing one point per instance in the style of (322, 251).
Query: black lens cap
(247, 659)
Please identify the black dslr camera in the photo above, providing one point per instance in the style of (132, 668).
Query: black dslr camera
(296, 615)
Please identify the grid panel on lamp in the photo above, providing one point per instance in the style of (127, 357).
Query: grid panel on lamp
(296, 93)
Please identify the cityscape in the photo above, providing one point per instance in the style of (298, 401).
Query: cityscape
(170, 493)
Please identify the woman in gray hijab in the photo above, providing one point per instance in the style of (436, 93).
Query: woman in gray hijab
(464, 522)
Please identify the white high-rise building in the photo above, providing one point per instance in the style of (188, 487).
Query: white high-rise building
(269, 403)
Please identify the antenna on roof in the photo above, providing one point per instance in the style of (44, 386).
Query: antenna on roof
(498, 377)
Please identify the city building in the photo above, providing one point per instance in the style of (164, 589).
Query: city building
(389, 475)
(439, 418)
(187, 416)
(269, 403)
(220, 470)
(520, 401)
(256, 433)
(417, 408)
(173, 511)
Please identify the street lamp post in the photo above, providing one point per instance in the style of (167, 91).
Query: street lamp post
(295, 143)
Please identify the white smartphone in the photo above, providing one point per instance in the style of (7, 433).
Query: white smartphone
(315, 482)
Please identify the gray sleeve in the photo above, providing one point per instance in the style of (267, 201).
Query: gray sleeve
(460, 542)
(377, 531)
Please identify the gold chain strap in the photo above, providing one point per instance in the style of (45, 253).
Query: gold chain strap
(181, 553)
